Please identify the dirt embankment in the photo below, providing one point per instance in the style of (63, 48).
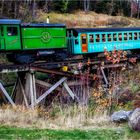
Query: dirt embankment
(88, 20)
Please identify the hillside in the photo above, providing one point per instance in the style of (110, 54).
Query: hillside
(88, 20)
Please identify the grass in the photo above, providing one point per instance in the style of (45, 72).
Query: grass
(98, 134)
(73, 117)
(7, 133)
(71, 123)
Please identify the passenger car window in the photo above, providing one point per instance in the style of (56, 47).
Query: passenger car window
(76, 41)
(12, 31)
(97, 38)
(125, 36)
(109, 37)
(84, 40)
(115, 37)
(91, 39)
(103, 37)
(130, 36)
(135, 36)
(120, 36)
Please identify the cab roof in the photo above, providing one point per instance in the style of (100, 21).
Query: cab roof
(29, 25)
(10, 21)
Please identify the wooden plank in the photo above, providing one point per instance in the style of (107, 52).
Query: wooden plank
(50, 90)
(103, 73)
(75, 83)
(14, 88)
(69, 90)
(6, 94)
(42, 83)
(31, 90)
(34, 86)
(24, 95)
(45, 84)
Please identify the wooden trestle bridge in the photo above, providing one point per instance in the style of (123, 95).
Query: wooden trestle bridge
(30, 91)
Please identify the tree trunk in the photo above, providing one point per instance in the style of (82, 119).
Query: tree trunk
(2, 6)
(86, 5)
(15, 9)
(46, 9)
(112, 7)
(138, 8)
(33, 9)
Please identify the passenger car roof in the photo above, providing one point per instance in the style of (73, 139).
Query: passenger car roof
(10, 21)
(87, 30)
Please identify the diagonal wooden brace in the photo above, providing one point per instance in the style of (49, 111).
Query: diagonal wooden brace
(69, 90)
(50, 90)
(6, 95)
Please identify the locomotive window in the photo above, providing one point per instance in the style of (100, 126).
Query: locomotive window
(109, 37)
(135, 36)
(115, 37)
(2, 33)
(120, 36)
(91, 39)
(103, 37)
(84, 40)
(125, 36)
(12, 31)
(130, 36)
(97, 38)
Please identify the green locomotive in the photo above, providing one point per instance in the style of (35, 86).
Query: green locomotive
(23, 42)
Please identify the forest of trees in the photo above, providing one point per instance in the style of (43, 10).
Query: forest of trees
(21, 8)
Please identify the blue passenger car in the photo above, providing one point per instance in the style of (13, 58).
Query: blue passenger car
(84, 41)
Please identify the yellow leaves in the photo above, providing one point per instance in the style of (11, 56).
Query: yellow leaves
(101, 99)
(97, 95)
(110, 92)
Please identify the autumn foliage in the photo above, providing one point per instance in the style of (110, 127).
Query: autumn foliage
(115, 56)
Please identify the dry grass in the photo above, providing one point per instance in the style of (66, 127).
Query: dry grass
(90, 19)
(57, 118)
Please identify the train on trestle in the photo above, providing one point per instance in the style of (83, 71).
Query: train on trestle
(25, 43)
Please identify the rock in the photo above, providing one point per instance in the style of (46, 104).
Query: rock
(134, 120)
(120, 116)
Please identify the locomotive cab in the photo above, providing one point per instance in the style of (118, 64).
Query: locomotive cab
(10, 35)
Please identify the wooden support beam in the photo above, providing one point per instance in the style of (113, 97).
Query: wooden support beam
(14, 88)
(6, 95)
(34, 86)
(104, 76)
(31, 91)
(31, 88)
(50, 90)
(45, 84)
(24, 95)
(68, 90)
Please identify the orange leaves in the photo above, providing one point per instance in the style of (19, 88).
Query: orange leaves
(115, 56)
(88, 62)
(133, 60)
(95, 77)
(101, 99)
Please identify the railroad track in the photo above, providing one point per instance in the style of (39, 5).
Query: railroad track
(50, 66)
